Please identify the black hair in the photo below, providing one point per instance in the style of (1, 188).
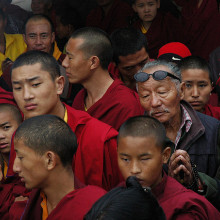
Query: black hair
(47, 61)
(48, 133)
(38, 17)
(96, 42)
(195, 62)
(16, 114)
(130, 203)
(144, 126)
(127, 41)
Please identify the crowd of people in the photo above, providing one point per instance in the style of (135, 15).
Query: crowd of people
(109, 109)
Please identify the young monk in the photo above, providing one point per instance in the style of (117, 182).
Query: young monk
(45, 146)
(143, 148)
(196, 74)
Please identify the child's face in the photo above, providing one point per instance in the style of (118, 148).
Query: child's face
(141, 157)
(8, 125)
(146, 9)
(197, 87)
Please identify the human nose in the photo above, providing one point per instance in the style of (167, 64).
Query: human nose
(27, 94)
(195, 91)
(155, 100)
(16, 166)
(65, 62)
(135, 168)
(38, 40)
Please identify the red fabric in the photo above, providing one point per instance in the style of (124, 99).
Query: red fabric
(95, 162)
(117, 17)
(113, 70)
(6, 97)
(201, 26)
(164, 29)
(212, 111)
(73, 206)
(117, 105)
(180, 203)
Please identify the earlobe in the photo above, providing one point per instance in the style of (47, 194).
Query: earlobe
(60, 84)
(50, 160)
(166, 154)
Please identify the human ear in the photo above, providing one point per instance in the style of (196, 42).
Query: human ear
(50, 160)
(60, 84)
(166, 154)
(94, 62)
(182, 90)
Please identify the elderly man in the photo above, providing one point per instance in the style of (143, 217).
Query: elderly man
(196, 136)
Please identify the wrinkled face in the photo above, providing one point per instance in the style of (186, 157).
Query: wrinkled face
(146, 9)
(129, 65)
(160, 99)
(39, 6)
(29, 165)
(39, 36)
(197, 88)
(8, 125)
(34, 90)
(141, 157)
(76, 64)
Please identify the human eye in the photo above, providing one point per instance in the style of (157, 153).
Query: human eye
(20, 157)
(32, 36)
(17, 88)
(140, 5)
(188, 85)
(35, 84)
(44, 36)
(6, 127)
(125, 159)
(202, 85)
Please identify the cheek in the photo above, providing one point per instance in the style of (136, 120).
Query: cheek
(124, 169)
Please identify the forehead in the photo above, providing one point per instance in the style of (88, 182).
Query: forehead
(195, 74)
(74, 44)
(28, 71)
(6, 115)
(41, 25)
(21, 148)
(133, 59)
(146, 1)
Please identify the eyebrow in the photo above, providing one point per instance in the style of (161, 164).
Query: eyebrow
(68, 53)
(1, 125)
(28, 80)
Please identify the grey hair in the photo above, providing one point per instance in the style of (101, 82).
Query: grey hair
(174, 69)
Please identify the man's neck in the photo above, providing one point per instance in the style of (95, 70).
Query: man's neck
(60, 184)
(97, 87)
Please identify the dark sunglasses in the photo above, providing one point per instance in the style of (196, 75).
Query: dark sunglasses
(158, 75)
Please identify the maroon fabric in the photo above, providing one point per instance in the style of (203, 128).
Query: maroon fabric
(95, 162)
(201, 26)
(73, 206)
(180, 203)
(164, 29)
(212, 111)
(6, 97)
(117, 17)
(113, 70)
(117, 105)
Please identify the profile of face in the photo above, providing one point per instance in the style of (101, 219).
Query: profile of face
(76, 64)
(39, 6)
(143, 158)
(160, 98)
(146, 9)
(197, 87)
(29, 165)
(8, 124)
(39, 36)
(34, 90)
(129, 65)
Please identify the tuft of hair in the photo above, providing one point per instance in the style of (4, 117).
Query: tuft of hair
(144, 126)
(96, 42)
(47, 61)
(39, 17)
(195, 62)
(126, 41)
(15, 113)
(48, 133)
(130, 203)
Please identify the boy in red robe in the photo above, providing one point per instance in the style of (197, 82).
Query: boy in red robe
(196, 74)
(143, 148)
(45, 146)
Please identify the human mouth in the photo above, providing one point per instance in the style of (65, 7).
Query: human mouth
(195, 103)
(3, 145)
(30, 107)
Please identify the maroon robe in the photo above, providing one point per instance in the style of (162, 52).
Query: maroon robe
(200, 26)
(73, 206)
(95, 162)
(164, 29)
(117, 105)
(6, 97)
(212, 111)
(180, 203)
(117, 17)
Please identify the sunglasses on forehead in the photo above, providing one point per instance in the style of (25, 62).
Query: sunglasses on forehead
(158, 75)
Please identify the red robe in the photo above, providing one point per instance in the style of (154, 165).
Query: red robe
(212, 111)
(164, 29)
(201, 26)
(117, 17)
(6, 97)
(117, 105)
(95, 162)
(180, 203)
(73, 206)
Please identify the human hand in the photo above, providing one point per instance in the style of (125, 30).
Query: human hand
(21, 198)
(180, 167)
(6, 63)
